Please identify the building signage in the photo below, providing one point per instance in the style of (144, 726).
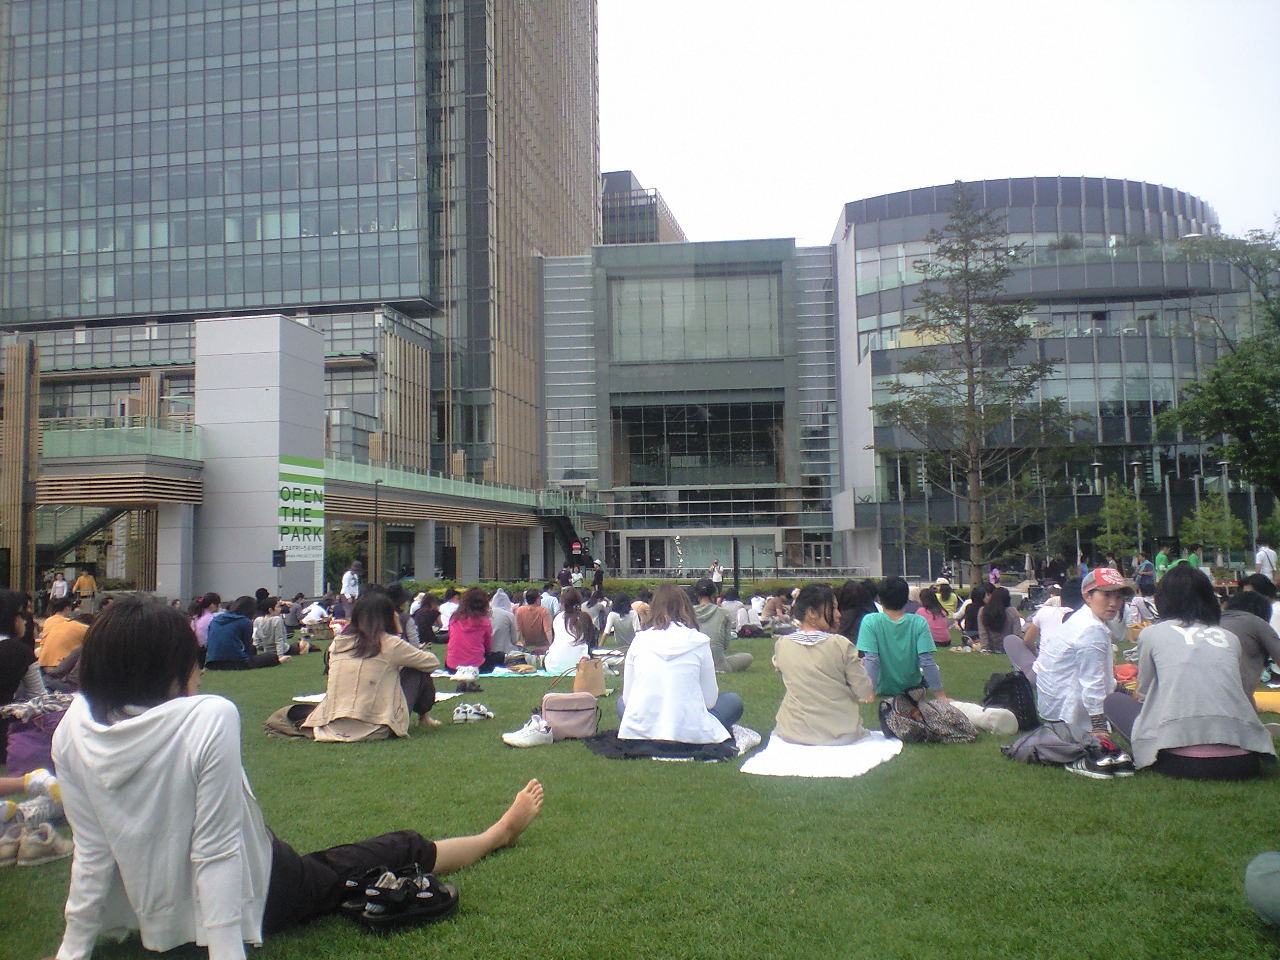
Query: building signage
(301, 509)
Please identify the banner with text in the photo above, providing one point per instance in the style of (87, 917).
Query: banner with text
(301, 509)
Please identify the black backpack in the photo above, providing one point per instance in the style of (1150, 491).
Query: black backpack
(1013, 691)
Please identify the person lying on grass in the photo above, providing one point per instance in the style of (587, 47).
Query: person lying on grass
(170, 840)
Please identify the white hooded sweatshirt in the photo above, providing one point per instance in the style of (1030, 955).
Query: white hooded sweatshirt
(169, 838)
(668, 685)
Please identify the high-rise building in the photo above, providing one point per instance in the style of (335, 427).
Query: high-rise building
(389, 171)
(630, 213)
(692, 386)
(1124, 314)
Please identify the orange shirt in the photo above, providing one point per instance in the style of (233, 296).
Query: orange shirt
(61, 636)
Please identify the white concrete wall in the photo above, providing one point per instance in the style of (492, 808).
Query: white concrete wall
(259, 394)
(175, 551)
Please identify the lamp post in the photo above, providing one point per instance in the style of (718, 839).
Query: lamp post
(1226, 502)
(1099, 490)
(1075, 516)
(1137, 497)
(375, 548)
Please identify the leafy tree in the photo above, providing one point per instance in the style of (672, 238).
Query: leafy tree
(1240, 395)
(1119, 519)
(1212, 524)
(965, 402)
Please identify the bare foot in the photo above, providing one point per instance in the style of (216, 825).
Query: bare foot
(284, 659)
(524, 808)
(427, 720)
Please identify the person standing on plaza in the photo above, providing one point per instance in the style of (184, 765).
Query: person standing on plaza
(60, 588)
(715, 573)
(1264, 561)
(86, 588)
(597, 577)
(1162, 561)
(351, 582)
(1144, 573)
(564, 577)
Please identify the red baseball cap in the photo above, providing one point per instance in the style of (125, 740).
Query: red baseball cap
(1103, 578)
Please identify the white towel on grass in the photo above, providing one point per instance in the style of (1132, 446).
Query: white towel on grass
(782, 759)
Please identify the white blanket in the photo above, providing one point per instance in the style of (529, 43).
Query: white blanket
(782, 759)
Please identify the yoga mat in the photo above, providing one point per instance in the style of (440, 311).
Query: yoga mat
(782, 759)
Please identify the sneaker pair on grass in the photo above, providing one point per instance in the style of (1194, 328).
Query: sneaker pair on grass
(535, 733)
(45, 803)
(1103, 760)
(29, 845)
(471, 713)
(384, 899)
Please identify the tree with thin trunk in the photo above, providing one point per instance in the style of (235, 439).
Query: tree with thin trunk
(964, 406)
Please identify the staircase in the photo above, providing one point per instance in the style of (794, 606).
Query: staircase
(60, 528)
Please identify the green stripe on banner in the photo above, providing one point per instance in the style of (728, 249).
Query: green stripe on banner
(301, 478)
(311, 512)
(301, 462)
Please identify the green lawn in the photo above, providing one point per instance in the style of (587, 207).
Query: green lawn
(946, 851)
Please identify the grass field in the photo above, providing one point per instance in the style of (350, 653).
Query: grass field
(947, 851)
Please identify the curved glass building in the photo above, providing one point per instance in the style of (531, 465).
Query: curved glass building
(1126, 317)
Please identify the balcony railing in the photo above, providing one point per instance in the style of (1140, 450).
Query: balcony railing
(119, 436)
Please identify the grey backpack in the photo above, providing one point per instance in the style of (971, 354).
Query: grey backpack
(1043, 745)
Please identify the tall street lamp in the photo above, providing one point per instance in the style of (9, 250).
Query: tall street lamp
(1137, 497)
(375, 560)
(1226, 502)
(1099, 490)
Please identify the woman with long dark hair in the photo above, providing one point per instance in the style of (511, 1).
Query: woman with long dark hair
(1196, 720)
(169, 839)
(968, 617)
(572, 634)
(935, 616)
(364, 699)
(998, 620)
(471, 640)
(854, 601)
(231, 640)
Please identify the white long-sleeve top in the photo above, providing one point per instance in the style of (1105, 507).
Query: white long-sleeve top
(668, 686)
(1074, 671)
(169, 837)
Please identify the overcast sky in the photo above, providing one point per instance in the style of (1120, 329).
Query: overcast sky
(759, 118)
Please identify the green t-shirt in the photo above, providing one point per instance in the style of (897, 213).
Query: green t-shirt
(1194, 561)
(1162, 563)
(899, 646)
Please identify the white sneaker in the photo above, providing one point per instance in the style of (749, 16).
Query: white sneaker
(42, 783)
(535, 733)
(39, 809)
(43, 844)
(462, 713)
(9, 842)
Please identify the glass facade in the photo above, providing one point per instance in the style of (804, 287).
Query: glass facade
(694, 385)
(696, 317)
(1125, 317)
(177, 157)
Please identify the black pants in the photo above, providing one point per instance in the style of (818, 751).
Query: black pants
(491, 660)
(1122, 710)
(304, 887)
(419, 691)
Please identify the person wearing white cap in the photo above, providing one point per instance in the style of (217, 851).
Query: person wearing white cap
(948, 599)
(1074, 675)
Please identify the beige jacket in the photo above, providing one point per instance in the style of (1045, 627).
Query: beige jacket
(369, 689)
(824, 680)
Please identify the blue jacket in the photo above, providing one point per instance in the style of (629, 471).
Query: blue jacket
(230, 637)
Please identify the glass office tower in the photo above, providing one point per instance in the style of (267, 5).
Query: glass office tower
(1124, 315)
(166, 159)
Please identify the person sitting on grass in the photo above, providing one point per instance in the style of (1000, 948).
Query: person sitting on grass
(170, 840)
(364, 699)
(1246, 616)
(855, 602)
(1196, 720)
(776, 608)
(573, 634)
(935, 615)
(823, 676)
(471, 639)
(270, 635)
(997, 620)
(669, 690)
(533, 625)
(967, 618)
(897, 646)
(231, 640)
(1074, 675)
(714, 622)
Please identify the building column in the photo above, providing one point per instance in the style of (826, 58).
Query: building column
(424, 550)
(537, 559)
(468, 553)
(175, 551)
